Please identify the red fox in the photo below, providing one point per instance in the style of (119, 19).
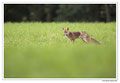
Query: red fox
(83, 35)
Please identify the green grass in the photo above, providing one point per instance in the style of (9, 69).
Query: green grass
(40, 50)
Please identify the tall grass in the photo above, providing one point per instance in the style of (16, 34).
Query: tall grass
(40, 50)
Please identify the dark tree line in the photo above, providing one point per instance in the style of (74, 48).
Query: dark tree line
(60, 12)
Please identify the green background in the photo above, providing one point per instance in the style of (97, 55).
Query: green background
(41, 50)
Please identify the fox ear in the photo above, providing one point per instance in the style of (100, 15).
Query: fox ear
(63, 28)
(68, 28)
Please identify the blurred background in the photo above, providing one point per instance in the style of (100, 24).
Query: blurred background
(60, 12)
(36, 47)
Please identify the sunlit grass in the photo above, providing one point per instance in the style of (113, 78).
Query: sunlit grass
(40, 50)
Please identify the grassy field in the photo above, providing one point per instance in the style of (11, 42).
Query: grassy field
(41, 50)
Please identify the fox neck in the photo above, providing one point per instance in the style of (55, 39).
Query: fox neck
(67, 34)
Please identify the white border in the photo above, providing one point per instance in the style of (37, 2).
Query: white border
(3, 42)
(59, 2)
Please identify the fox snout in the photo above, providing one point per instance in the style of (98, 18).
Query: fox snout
(66, 30)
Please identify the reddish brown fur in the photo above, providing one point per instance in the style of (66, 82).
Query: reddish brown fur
(83, 35)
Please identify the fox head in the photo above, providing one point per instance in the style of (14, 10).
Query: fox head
(66, 31)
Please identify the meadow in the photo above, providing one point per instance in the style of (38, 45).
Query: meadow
(41, 50)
